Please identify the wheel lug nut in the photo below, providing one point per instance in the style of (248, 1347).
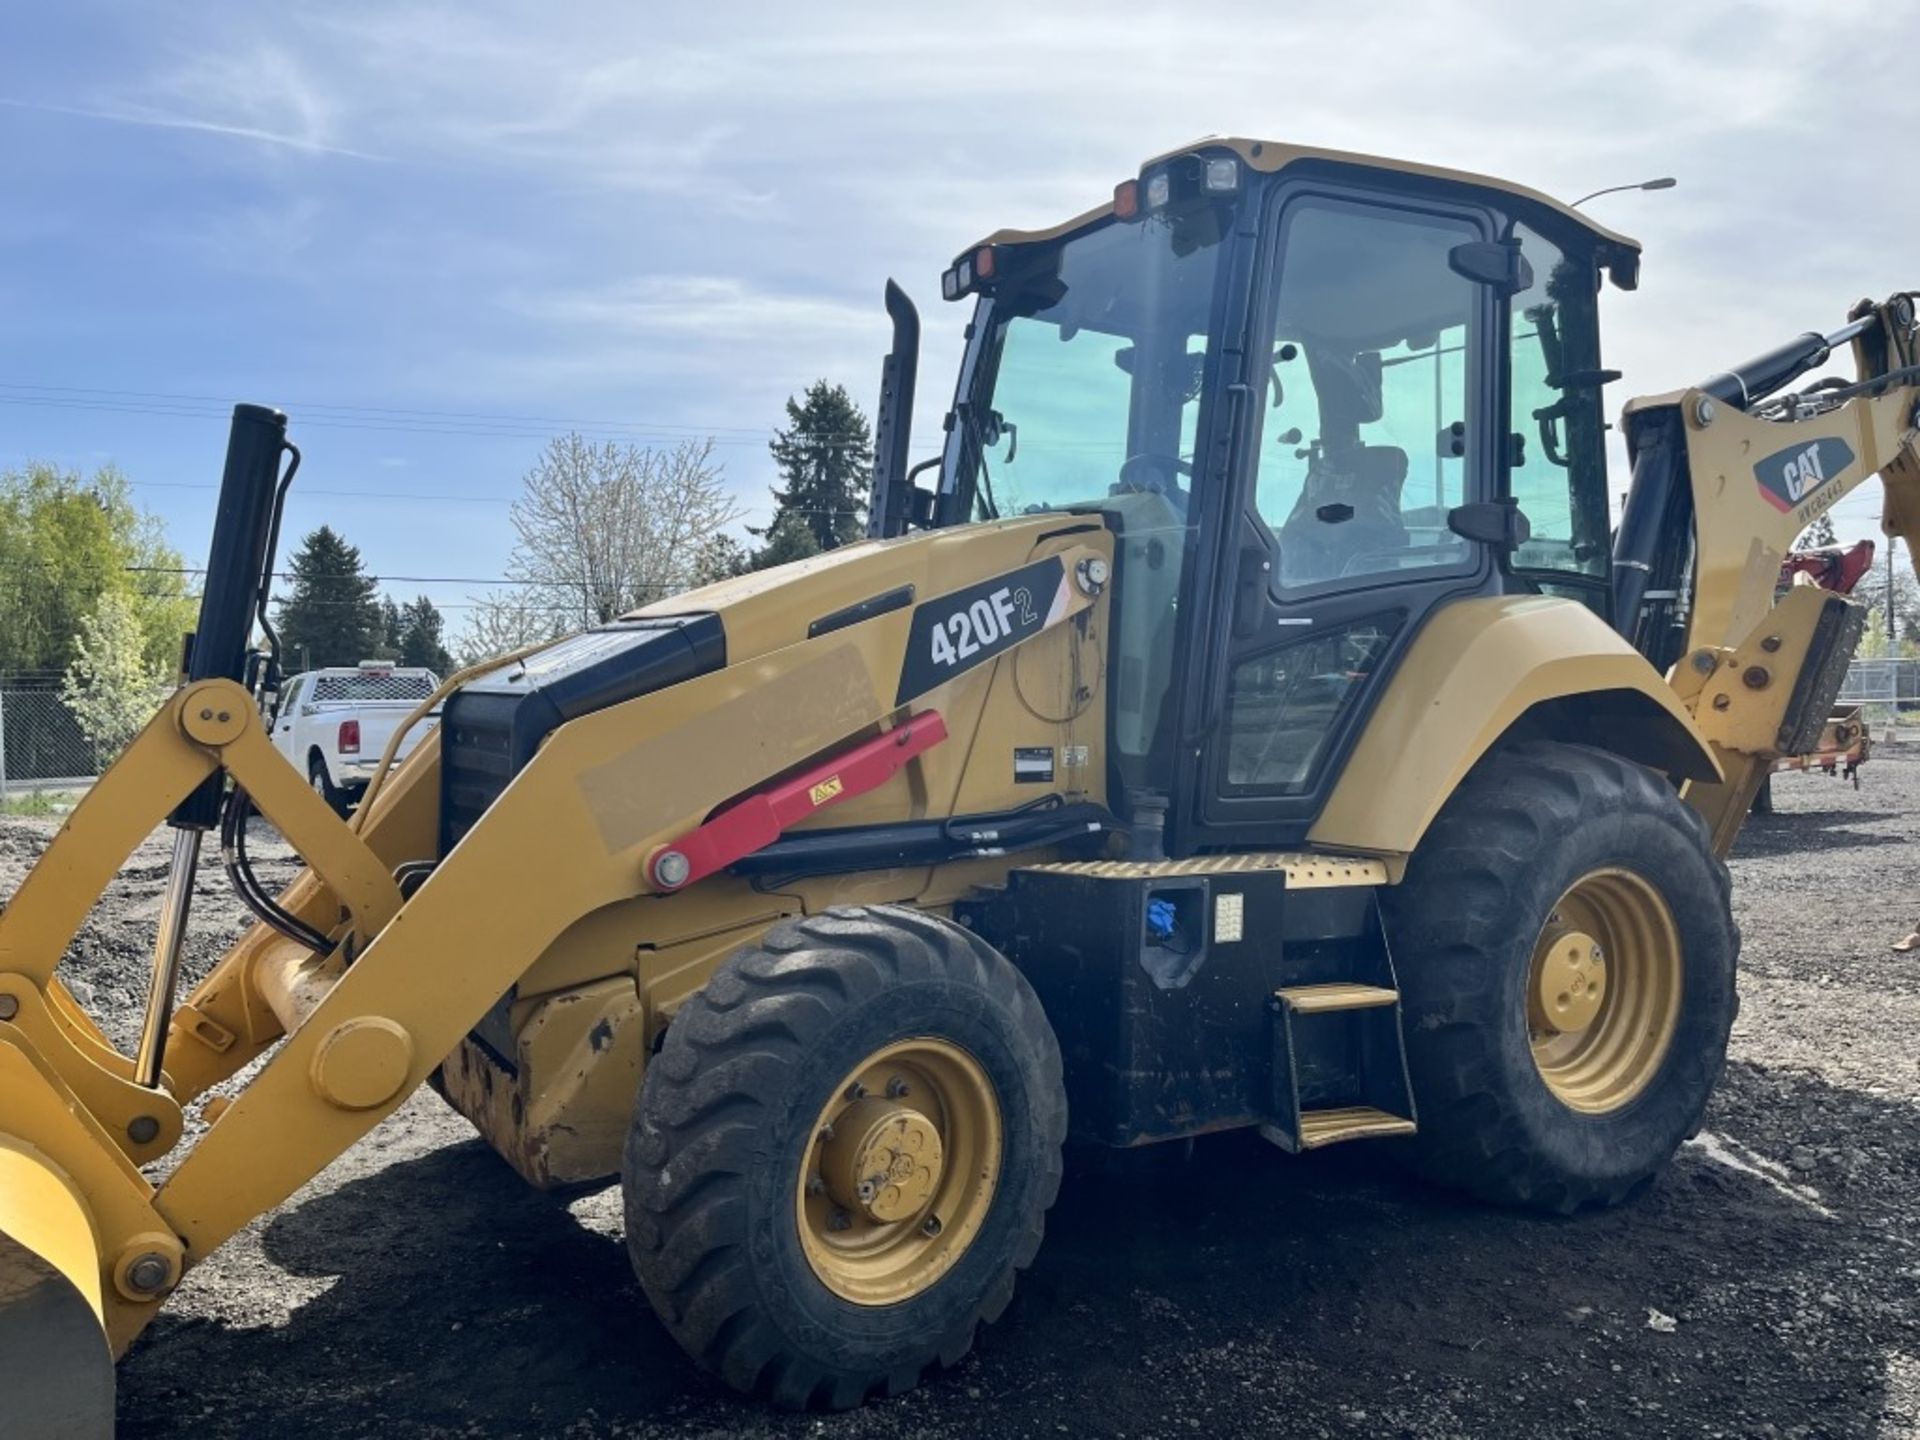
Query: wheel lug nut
(815, 1185)
(932, 1226)
(839, 1220)
(826, 1133)
(897, 1088)
(856, 1091)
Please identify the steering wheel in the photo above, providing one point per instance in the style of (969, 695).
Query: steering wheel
(1132, 482)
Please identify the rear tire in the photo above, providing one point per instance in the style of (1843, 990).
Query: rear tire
(758, 1273)
(1543, 844)
(324, 787)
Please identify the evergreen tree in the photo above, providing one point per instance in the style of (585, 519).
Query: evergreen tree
(788, 538)
(333, 615)
(825, 458)
(393, 631)
(1817, 534)
(422, 637)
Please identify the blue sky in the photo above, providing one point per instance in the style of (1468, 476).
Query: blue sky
(430, 231)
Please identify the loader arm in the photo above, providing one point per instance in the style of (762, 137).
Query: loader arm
(618, 808)
(1750, 468)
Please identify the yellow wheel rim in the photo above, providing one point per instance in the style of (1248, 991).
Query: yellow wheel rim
(1603, 991)
(900, 1172)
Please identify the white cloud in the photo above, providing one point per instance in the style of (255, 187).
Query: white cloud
(683, 214)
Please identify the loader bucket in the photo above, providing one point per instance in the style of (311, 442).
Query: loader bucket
(56, 1369)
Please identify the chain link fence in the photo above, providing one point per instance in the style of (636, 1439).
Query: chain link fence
(1888, 683)
(42, 746)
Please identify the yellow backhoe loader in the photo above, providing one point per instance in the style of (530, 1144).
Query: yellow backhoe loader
(1250, 719)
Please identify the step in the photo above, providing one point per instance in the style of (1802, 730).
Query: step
(1342, 995)
(1352, 1122)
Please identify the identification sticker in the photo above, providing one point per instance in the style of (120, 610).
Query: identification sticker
(1794, 474)
(1033, 765)
(953, 633)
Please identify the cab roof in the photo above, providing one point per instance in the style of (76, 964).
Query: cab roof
(1268, 156)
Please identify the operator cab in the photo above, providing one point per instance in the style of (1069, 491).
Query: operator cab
(1317, 396)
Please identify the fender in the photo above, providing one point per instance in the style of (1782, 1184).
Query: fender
(1480, 669)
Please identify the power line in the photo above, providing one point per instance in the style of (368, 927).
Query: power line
(488, 417)
(437, 496)
(423, 424)
(586, 587)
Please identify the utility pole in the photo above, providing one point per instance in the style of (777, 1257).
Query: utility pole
(1893, 625)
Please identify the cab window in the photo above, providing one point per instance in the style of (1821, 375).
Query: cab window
(1557, 458)
(1364, 442)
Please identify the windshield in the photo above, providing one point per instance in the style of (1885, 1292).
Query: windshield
(1089, 371)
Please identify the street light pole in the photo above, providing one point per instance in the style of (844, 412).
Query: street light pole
(1665, 182)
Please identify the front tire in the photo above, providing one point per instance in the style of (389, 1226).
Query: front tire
(1566, 952)
(843, 1154)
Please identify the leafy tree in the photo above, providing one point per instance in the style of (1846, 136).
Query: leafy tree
(721, 558)
(502, 621)
(332, 616)
(67, 542)
(1872, 592)
(825, 458)
(602, 529)
(111, 685)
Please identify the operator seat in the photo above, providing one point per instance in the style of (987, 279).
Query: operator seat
(1348, 511)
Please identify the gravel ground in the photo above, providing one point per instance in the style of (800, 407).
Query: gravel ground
(1768, 1285)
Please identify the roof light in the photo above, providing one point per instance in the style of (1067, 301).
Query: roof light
(1223, 174)
(964, 272)
(1159, 189)
(1126, 199)
(983, 262)
(950, 285)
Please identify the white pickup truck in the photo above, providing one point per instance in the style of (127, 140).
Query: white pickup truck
(334, 724)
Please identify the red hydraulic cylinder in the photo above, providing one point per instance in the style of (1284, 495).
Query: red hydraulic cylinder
(758, 819)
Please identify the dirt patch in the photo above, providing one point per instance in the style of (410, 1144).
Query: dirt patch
(1768, 1284)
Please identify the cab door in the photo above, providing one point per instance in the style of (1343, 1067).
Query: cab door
(1369, 404)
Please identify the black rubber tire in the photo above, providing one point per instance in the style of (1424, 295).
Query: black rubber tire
(725, 1116)
(1525, 825)
(324, 787)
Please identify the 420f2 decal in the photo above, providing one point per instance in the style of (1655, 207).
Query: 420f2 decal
(953, 633)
